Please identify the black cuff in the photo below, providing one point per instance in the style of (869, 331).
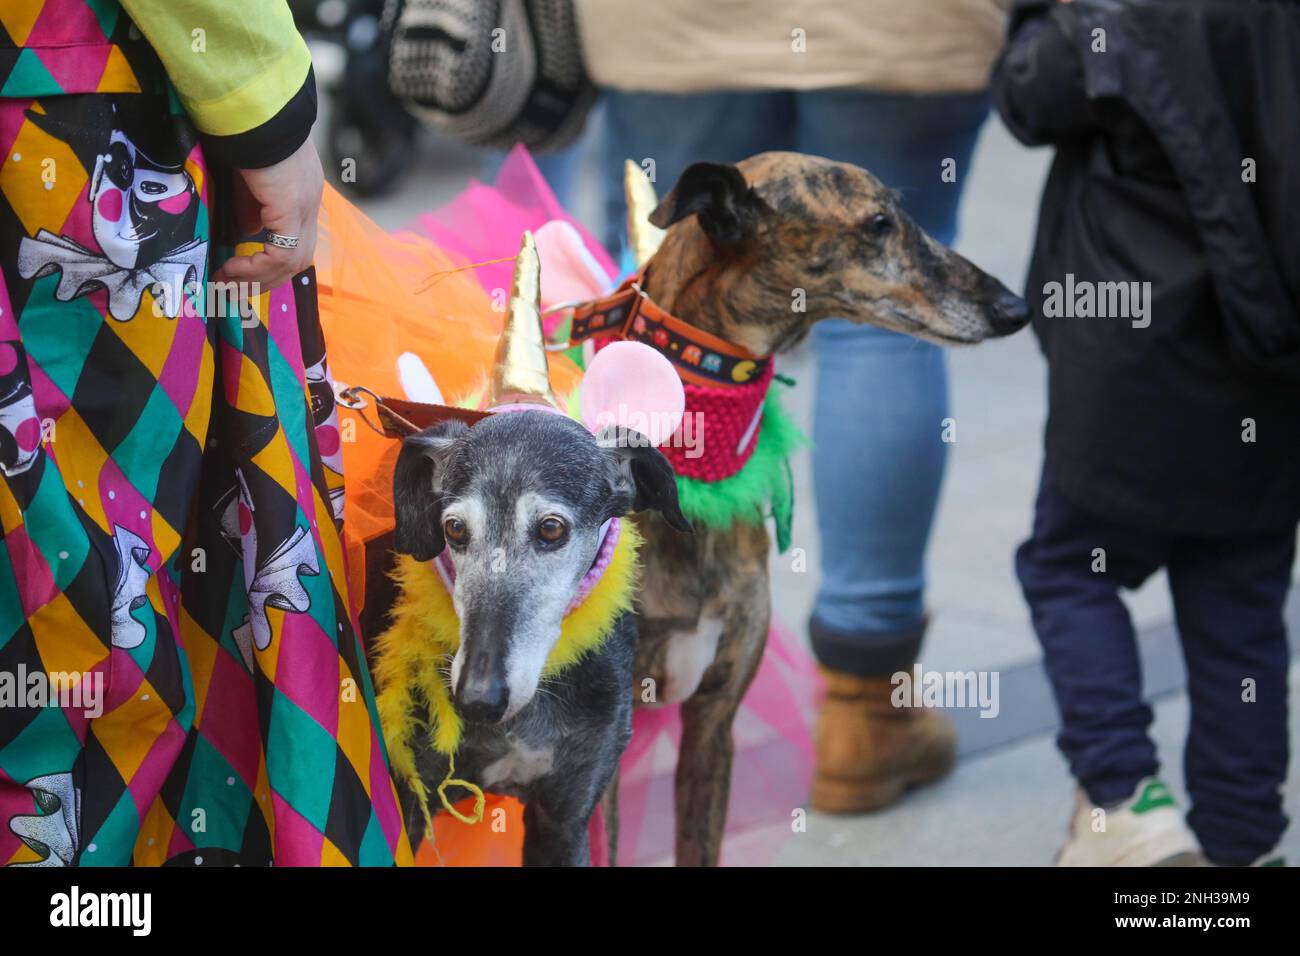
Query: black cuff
(275, 140)
(866, 654)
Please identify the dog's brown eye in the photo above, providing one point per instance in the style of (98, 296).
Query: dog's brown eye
(879, 224)
(551, 529)
(455, 530)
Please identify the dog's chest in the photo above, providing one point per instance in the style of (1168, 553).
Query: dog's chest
(674, 656)
(519, 765)
(510, 759)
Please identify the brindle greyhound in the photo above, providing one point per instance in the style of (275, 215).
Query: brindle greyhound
(740, 240)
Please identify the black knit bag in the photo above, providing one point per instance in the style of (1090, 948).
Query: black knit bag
(490, 72)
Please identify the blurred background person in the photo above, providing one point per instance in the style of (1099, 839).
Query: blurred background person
(484, 75)
(1173, 431)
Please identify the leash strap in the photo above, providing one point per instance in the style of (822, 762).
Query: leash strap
(398, 417)
(700, 357)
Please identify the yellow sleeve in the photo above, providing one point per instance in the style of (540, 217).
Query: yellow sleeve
(235, 63)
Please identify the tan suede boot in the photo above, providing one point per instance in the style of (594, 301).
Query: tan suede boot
(869, 751)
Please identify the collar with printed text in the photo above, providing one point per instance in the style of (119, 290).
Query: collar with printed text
(700, 357)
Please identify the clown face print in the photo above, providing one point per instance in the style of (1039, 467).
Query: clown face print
(20, 427)
(140, 210)
(144, 216)
(52, 833)
(271, 580)
(129, 590)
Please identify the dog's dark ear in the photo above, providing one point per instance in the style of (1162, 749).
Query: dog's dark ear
(729, 210)
(641, 475)
(417, 500)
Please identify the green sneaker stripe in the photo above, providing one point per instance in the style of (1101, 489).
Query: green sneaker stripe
(1154, 795)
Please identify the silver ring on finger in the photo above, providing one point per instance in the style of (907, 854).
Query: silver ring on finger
(281, 241)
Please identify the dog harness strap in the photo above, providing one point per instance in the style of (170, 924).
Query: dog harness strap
(608, 316)
(700, 357)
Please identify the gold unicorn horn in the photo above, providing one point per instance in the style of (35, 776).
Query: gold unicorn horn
(643, 236)
(519, 373)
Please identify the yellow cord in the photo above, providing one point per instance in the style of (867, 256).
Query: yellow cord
(479, 800)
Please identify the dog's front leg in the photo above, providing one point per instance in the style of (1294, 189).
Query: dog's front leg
(609, 813)
(555, 834)
(703, 781)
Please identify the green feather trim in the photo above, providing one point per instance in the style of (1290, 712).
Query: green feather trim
(764, 482)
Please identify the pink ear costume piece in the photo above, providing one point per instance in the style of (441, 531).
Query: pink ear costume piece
(630, 384)
(570, 273)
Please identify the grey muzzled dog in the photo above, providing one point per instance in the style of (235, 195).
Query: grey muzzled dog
(520, 500)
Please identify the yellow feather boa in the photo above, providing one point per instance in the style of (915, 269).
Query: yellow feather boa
(413, 657)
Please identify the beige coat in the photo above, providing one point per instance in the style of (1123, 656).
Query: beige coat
(686, 46)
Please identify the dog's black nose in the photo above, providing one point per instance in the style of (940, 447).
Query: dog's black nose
(1008, 314)
(483, 701)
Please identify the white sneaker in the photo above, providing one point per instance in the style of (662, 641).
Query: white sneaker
(1145, 830)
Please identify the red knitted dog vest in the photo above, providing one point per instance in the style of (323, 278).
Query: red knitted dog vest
(725, 385)
(719, 430)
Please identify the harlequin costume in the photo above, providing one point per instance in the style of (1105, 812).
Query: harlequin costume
(172, 483)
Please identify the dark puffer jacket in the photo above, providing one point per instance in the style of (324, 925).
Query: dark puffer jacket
(1177, 132)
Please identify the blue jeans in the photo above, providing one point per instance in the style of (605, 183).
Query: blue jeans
(1228, 596)
(878, 457)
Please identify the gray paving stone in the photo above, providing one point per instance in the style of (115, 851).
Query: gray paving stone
(1006, 808)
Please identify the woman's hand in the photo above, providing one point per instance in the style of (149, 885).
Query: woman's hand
(284, 199)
